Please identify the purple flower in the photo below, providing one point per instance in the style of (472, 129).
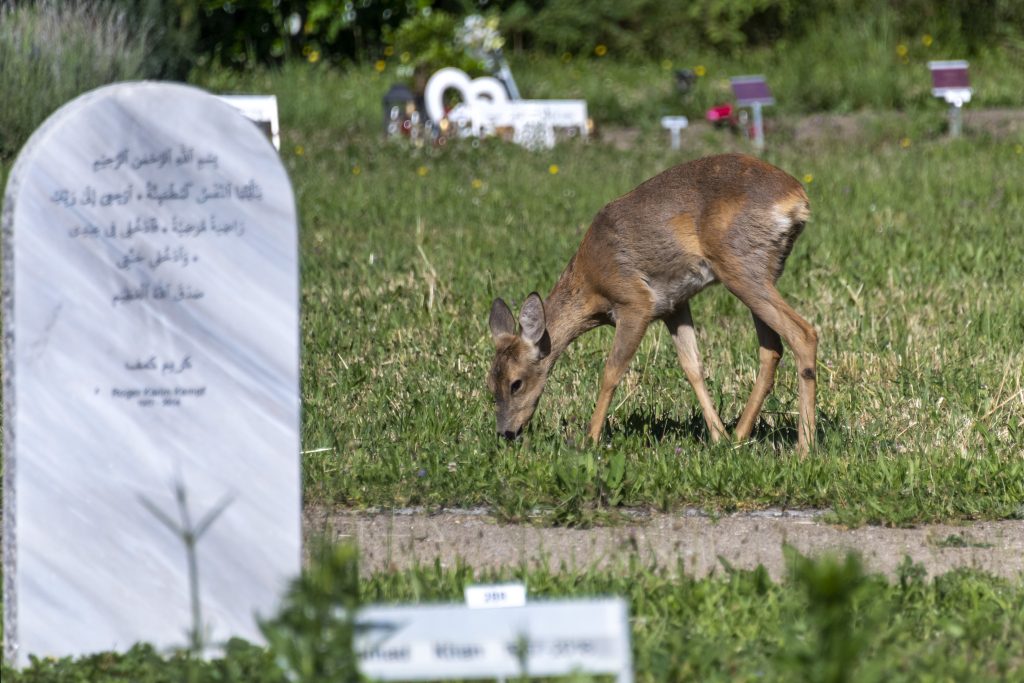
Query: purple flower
(422, 472)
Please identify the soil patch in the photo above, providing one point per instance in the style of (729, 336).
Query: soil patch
(696, 544)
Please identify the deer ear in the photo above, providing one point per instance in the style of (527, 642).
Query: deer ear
(502, 321)
(532, 320)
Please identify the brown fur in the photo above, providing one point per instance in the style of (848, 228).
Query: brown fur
(731, 219)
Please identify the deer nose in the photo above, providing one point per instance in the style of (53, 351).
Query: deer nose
(510, 435)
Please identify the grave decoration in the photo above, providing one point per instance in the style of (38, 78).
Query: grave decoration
(486, 109)
(753, 92)
(684, 80)
(479, 36)
(951, 82)
(151, 374)
(399, 110)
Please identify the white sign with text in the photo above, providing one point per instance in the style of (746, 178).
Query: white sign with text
(495, 595)
(442, 642)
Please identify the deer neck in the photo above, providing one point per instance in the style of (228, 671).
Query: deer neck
(568, 313)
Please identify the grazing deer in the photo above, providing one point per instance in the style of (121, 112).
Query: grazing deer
(731, 219)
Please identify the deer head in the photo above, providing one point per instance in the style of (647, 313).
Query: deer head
(519, 370)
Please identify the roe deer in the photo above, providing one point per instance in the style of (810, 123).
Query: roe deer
(731, 219)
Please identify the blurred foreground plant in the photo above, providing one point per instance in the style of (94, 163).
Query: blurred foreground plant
(311, 637)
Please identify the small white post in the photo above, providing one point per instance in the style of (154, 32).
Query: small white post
(758, 126)
(955, 119)
(674, 124)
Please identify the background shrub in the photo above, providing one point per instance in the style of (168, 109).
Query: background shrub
(52, 51)
(171, 29)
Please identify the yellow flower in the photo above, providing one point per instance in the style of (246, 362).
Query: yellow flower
(356, 170)
(388, 51)
(927, 40)
(808, 178)
(901, 50)
(477, 183)
(314, 56)
(422, 171)
(299, 150)
(380, 66)
(601, 50)
(700, 71)
(666, 64)
(905, 142)
(553, 169)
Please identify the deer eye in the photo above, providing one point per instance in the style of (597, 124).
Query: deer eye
(516, 386)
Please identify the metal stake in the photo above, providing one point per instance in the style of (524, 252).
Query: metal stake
(955, 120)
(758, 126)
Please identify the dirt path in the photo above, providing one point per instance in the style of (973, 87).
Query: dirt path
(398, 540)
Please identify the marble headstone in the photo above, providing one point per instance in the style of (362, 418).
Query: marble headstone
(151, 346)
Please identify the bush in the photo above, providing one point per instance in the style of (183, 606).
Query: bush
(52, 51)
(173, 29)
(246, 35)
(311, 637)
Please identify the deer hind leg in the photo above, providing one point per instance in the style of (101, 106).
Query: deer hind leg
(629, 331)
(770, 353)
(768, 305)
(680, 326)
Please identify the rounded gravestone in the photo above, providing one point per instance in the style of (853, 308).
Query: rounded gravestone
(151, 359)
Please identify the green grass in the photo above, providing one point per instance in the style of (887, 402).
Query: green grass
(836, 72)
(910, 270)
(828, 621)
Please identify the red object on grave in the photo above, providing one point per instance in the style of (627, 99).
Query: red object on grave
(719, 114)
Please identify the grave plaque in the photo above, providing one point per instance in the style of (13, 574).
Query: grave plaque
(753, 92)
(150, 312)
(446, 642)
(951, 82)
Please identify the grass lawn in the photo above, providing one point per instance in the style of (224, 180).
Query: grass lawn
(910, 269)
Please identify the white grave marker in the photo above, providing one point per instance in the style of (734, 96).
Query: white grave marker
(753, 92)
(150, 312)
(674, 124)
(261, 110)
(951, 82)
(444, 642)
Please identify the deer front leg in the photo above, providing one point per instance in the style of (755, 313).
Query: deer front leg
(680, 326)
(628, 334)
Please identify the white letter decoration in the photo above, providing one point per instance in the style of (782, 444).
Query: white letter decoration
(485, 107)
